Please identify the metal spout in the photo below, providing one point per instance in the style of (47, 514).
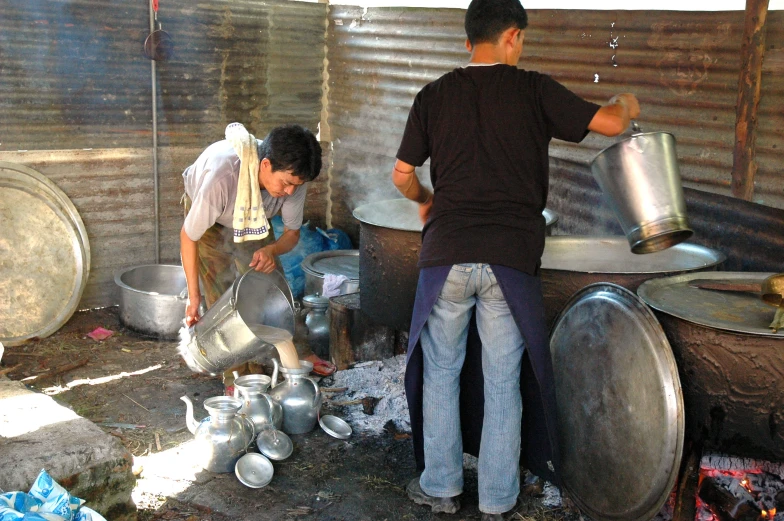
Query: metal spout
(189, 420)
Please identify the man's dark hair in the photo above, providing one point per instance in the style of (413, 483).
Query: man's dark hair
(485, 20)
(294, 148)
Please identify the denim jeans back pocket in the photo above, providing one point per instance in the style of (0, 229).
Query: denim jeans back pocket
(457, 282)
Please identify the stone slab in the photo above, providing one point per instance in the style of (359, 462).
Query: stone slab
(38, 433)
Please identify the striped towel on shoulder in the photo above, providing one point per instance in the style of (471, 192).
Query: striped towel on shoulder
(250, 223)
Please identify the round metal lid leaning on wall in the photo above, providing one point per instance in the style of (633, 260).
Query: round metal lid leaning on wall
(44, 255)
(620, 406)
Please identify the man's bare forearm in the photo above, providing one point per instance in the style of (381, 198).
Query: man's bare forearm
(189, 254)
(405, 180)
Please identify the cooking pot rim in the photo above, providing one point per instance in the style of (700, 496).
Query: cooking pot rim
(118, 279)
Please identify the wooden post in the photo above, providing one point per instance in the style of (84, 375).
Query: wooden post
(744, 165)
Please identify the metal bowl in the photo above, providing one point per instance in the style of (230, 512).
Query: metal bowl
(153, 299)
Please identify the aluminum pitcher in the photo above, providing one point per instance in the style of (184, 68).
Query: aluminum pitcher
(256, 403)
(223, 436)
(642, 181)
(232, 331)
(299, 396)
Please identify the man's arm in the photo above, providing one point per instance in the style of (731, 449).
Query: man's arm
(189, 254)
(405, 180)
(614, 118)
(264, 258)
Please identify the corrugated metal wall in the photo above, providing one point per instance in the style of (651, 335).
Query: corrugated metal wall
(73, 77)
(683, 67)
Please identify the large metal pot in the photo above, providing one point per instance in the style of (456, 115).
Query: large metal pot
(152, 299)
(317, 266)
(730, 363)
(571, 262)
(390, 237)
(641, 179)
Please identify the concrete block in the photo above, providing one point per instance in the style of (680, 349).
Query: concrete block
(38, 433)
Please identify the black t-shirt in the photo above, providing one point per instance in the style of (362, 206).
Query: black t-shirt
(486, 130)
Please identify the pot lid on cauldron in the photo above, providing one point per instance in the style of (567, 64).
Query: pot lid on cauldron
(333, 262)
(620, 407)
(738, 312)
(403, 214)
(610, 254)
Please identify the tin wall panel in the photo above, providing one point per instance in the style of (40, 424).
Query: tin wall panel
(110, 189)
(73, 76)
(683, 66)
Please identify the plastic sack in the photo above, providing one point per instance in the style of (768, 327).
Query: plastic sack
(310, 241)
(46, 501)
(335, 239)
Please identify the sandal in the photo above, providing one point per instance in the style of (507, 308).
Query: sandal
(323, 368)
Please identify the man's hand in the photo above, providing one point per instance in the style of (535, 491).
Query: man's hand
(424, 209)
(192, 313)
(629, 101)
(613, 119)
(264, 259)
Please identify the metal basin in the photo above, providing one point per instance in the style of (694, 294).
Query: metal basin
(390, 238)
(317, 266)
(151, 300)
(571, 262)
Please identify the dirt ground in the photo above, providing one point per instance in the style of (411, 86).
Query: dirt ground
(131, 387)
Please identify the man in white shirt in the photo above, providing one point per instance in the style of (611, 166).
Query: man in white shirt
(289, 157)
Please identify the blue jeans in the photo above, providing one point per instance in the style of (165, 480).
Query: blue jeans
(443, 342)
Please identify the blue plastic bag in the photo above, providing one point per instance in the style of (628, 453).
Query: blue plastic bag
(47, 501)
(335, 239)
(310, 241)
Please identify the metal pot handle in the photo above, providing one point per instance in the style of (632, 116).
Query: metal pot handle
(274, 380)
(317, 398)
(271, 404)
(252, 430)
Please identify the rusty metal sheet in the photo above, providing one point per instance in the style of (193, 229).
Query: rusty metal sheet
(683, 66)
(44, 255)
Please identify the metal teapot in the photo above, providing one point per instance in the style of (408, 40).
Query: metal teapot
(256, 404)
(223, 436)
(317, 322)
(299, 396)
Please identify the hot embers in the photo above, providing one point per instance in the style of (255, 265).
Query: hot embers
(737, 489)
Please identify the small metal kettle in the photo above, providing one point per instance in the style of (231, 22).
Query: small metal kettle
(256, 404)
(223, 436)
(317, 322)
(299, 396)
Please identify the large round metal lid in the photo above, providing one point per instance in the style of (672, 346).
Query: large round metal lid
(737, 312)
(44, 255)
(586, 254)
(620, 408)
(403, 214)
(333, 262)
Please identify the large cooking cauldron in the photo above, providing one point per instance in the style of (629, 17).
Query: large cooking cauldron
(390, 237)
(571, 262)
(731, 364)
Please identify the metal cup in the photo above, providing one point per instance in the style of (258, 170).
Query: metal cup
(641, 179)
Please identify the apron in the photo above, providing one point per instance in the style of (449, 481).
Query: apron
(523, 293)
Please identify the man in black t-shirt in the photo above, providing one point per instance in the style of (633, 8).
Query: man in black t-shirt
(486, 128)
